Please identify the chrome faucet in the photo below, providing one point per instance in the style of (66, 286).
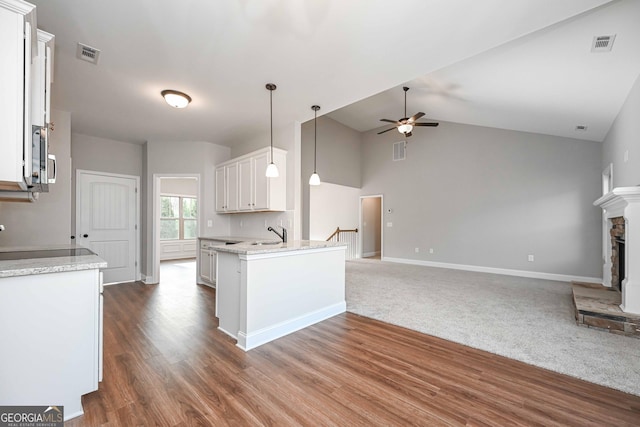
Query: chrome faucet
(283, 236)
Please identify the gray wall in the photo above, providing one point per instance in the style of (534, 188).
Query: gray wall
(489, 197)
(623, 136)
(338, 162)
(48, 220)
(191, 158)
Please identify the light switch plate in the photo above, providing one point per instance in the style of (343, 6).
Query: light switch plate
(389, 224)
(209, 223)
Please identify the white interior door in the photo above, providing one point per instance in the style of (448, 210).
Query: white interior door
(106, 216)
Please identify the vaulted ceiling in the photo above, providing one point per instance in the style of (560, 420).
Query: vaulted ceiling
(505, 63)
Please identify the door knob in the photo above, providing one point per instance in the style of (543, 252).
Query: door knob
(85, 235)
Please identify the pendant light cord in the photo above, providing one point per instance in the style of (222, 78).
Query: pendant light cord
(315, 138)
(271, 123)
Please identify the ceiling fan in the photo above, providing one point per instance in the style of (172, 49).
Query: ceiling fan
(405, 125)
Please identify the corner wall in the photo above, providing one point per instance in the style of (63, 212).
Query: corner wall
(624, 136)
(338, 161)
(489, 197)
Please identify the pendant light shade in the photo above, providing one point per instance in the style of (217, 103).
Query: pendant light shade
(272, 169)
(315, 178)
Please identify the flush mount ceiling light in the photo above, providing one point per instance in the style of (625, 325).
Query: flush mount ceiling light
(175, 98)
(315, 178)
(272, 169)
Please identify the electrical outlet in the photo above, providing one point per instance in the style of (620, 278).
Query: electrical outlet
(417, 250)
(241, 224)
(531, 258)
(626, 156)
(430, 250)
(290, 223)
(389, 224)
(265, 223)
(209, 223)
(281, 223)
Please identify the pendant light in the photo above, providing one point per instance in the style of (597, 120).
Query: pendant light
(315, 178)
(272, 169)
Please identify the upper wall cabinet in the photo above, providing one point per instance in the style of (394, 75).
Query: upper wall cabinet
(241, 184)
(41, 78)
(18, 48)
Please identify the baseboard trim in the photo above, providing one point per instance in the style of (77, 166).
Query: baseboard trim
(368, 254)
(265, 335)
(494, 270)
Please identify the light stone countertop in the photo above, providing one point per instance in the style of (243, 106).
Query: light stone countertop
(248, 248)
(31, 266)
(235, 239)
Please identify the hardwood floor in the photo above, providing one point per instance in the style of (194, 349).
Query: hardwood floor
(165, 363)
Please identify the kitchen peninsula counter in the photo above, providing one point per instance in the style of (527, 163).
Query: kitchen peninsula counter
(266, 291)
(27, 266)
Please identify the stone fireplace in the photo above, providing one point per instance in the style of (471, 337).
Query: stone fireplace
(618, 241)
(621, 216)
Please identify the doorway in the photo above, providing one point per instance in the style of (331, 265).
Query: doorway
(175, 233)
(107, 218)
(371, 237)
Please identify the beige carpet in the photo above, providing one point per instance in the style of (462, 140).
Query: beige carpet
(530, 320)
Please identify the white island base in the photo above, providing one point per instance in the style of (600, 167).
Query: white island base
(264, 293)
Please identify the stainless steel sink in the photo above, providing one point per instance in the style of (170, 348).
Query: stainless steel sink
(265, 243)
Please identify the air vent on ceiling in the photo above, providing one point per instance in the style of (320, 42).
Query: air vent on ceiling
(399, 150)
(88, 53)
(581, 128)
(603, 43)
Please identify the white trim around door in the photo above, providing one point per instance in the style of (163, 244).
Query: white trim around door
(155, 221)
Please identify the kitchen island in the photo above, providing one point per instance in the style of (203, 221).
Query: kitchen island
(50, 326)
(266, 290)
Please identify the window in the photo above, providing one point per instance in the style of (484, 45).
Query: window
(178, 218)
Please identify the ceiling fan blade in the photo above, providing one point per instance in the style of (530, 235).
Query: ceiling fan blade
(386, 130)
(426, 124)
(416, 116)
(389, 121)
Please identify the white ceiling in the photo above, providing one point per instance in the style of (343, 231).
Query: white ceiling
(546, 82)
(327, 52)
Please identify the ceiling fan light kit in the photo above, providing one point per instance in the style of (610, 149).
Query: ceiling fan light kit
(272, 169)
(176, 98)
(315, 178)
(406, 124)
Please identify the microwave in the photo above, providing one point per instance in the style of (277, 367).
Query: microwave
(43, 170)
(43, 164)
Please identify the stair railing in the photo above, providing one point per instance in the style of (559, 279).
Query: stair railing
(350, 238)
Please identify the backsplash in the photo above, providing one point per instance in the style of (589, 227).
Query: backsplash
(256, 224)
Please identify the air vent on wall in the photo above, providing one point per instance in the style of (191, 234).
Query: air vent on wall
(399, 150)
(603, 43)
(88, 53)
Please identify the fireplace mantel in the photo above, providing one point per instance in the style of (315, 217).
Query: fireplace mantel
(623, 202)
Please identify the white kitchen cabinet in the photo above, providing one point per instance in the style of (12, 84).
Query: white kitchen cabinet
(41, 78)
(51, 327)
(207, 261)
(227, 188)
(18, 46)
(250, 189)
